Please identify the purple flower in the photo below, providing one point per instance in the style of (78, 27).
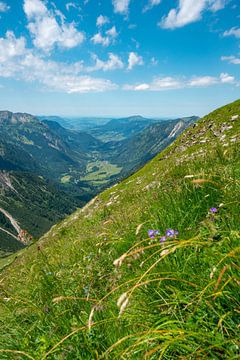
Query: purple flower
(170, 233)
(153, 233)
(162, 239)
(213, 210)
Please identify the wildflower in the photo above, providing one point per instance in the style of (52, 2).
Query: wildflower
(153, 233)
(162, 239)
(170, 233)
(213, 210)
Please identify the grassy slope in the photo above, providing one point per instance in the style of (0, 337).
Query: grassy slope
(180, 298)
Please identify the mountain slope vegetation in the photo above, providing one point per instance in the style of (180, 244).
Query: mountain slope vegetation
(149, 269)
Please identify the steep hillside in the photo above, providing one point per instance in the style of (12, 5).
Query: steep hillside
(48, 152)
(143, 146)
(35, 203)
(76, 140)
(147, 270)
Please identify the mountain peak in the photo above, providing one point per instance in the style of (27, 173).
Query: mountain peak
(15, 118)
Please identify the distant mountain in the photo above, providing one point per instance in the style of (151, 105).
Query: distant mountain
(81, 123)
(77, 140)
(27, 144)
(61, 121)
(123, 128)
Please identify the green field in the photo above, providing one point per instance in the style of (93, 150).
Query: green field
(100, 171)
(66, 179)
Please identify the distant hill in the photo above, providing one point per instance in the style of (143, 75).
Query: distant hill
(75, 123)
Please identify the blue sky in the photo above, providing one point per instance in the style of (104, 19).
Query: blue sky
(119, 57)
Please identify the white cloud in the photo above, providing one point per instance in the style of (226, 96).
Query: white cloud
(112, 32)
(100, 39)
(231, 59)
(232, 32)
(142, 87)
(4, 7)
(133, 60)
(102, 20)
(165, 83)
(151, 4)
(216, 5)
(202, 81)
(45, 29)
(227, 79)
(158, 84)
(20, 63)
(11, 47)
(72, 5)
(189, 11)
(34, 8)
(106, 39)
(80, 84)
(114, 62)
(121, 6)
(171, 83)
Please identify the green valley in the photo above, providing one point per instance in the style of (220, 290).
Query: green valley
(47, 170)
